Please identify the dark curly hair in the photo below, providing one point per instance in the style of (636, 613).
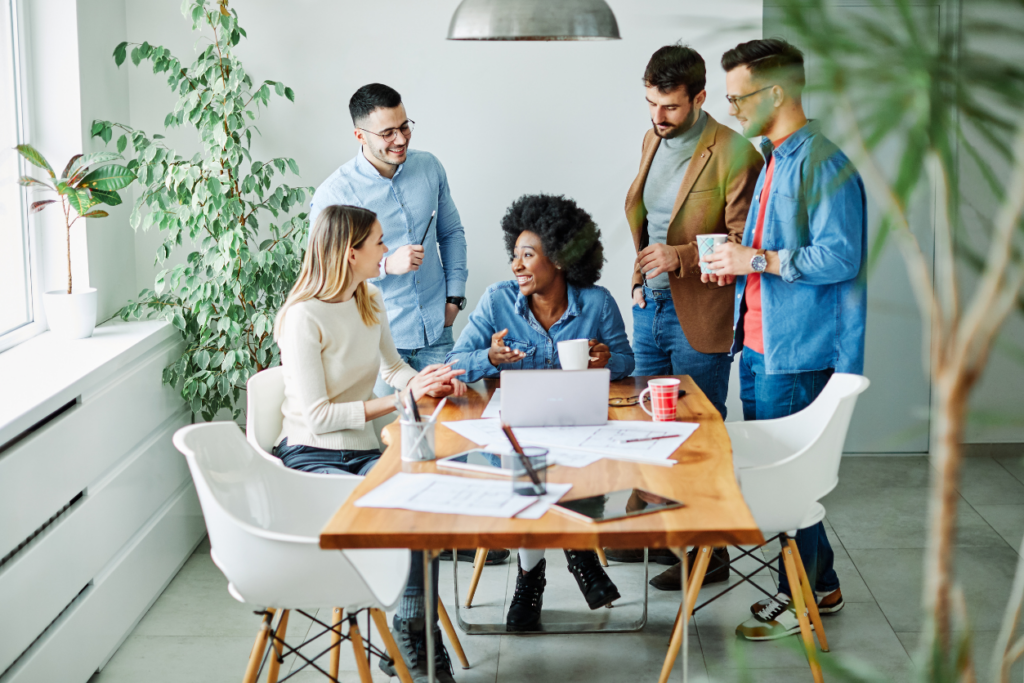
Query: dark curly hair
(673, 66)
(568, 234)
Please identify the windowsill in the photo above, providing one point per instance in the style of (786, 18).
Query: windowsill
(46, 372)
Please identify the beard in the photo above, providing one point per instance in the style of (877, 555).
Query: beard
(678, 130)
(382, 155)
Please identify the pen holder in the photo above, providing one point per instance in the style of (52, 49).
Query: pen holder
(522, 483)
(417, 441)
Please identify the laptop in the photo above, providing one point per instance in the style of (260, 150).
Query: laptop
(554, 398)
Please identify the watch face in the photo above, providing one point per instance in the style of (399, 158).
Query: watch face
(759, 263)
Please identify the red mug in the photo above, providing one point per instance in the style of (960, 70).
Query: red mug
(664, 396)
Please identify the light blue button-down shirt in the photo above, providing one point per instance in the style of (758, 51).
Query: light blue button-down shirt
(814, 312)
(415, 300)
(591, 314)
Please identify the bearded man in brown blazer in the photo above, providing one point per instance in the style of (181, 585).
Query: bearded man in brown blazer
(696, 177)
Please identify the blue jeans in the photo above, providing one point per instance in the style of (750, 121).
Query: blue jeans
(766, 397)
(325, 460)
(661, 348)
(420, 358)
(328, 461)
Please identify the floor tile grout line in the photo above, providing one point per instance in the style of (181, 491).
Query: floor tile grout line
(1008, 471)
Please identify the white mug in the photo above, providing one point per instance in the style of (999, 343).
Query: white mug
(574, 354)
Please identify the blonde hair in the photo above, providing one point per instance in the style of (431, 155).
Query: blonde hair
(325, 270)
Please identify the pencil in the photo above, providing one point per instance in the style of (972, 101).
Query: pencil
(427, 231)
(522, 456)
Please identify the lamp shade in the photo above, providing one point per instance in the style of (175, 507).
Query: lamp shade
(533, 20)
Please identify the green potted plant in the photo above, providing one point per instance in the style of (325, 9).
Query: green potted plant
(79, 188)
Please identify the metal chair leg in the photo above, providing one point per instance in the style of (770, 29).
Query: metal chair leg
(692, 588)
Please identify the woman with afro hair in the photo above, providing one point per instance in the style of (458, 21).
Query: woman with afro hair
(556, 254)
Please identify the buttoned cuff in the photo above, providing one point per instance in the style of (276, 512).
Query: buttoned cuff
(382, 273)
(787, 269)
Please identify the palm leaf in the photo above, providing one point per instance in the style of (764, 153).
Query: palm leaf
(110, 178)
(33, 156)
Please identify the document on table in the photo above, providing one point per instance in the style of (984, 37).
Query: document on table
(544, 503)
(456, 496)
(618, 439)
(493, 409)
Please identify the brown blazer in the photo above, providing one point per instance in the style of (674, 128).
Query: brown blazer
(714, 198)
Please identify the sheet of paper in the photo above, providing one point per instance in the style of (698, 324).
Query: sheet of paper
(611, 440)
(447, 495)
(493, 409)
(544, 503)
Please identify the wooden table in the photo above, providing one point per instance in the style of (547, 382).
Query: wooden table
(715, 513)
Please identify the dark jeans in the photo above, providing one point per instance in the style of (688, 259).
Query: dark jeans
(661, 348)
(766, 397)
(325, 460)
(328, 461)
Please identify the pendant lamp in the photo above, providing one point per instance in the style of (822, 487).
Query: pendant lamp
(533, 20)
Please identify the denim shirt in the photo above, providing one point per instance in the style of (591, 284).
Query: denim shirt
(414, 300)
(816, 219)
(591, 314)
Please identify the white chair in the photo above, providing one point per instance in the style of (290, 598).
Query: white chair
(264, 524)
(264, 395)
(798, 455)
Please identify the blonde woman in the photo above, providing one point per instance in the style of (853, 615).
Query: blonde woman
(334, 339)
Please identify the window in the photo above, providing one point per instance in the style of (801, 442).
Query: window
(17, 307)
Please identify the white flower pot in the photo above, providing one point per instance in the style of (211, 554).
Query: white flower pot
(72, 316)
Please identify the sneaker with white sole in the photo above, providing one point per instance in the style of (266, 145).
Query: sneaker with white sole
(775, 619)
(828, 603)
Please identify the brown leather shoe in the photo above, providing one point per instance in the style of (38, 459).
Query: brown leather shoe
(718, 571)
(659, 555)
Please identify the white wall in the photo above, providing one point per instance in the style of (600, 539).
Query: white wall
(504, 118)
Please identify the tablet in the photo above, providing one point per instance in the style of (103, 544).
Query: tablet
(609, 506)
(479, 460)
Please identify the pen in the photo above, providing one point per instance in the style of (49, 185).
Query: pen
(522, 456)
(427, 231)
(648, 438)
(413, 408)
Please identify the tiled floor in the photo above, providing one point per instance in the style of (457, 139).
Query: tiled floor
(876, 520)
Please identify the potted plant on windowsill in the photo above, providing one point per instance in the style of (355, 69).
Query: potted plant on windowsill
(72, 314)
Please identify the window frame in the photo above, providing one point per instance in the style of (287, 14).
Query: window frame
(37, 324)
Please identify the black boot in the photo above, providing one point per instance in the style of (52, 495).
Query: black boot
(594, 583)
(524, 612)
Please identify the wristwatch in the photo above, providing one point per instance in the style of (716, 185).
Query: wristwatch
(758, 262)
(459, 301)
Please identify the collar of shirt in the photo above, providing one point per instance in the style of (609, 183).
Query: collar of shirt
(792, 142)
(367, 169)
(571, 311)
(690, 138)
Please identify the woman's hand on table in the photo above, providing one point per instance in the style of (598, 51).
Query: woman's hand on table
(499, 353)
(435, 380)
(454, 388)
(600, 354)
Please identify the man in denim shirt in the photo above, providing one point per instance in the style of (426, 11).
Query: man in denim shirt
(423, 278)
(800, 279)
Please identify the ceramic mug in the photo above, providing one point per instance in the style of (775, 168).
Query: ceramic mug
(664, 397)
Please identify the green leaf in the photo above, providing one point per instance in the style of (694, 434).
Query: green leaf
(136, 57)
(35, 158)
(290, 94)
(178, 321)
(81, 201)
(122, 142)
(293, 166)
(89, 159)
(108, 198)
(120, 52)
(109, 178)
(279, 88)
(99, 213)
(106, 134)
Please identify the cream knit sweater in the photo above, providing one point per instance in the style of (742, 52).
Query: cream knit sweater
(331, 360)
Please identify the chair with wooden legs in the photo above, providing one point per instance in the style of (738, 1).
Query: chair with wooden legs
(798, 454)
(264, 523)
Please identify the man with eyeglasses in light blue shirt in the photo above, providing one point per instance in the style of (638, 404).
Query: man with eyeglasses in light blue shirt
(423, 278)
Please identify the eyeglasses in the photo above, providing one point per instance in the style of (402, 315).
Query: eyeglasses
(624, 401)
(735, 100)
(389, 134)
